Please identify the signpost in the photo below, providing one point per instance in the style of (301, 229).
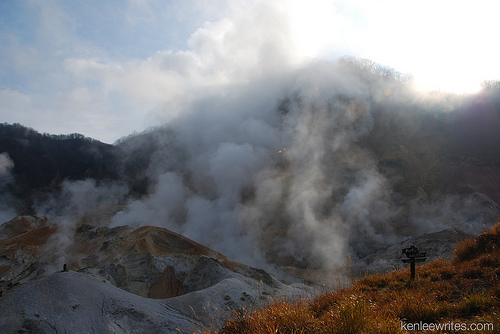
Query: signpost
(413, 255)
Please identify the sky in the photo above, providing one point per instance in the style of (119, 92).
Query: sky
(108, 68)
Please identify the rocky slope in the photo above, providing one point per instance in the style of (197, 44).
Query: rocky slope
(113, 275)
(71, 302)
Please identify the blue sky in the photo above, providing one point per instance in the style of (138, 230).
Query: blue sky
(108, 68)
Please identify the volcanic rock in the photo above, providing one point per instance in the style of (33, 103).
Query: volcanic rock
(205, 273)
(111, 272)
(166, 286)
(72, 302)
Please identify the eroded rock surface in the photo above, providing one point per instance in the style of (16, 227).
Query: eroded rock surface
(120, 280)
(70, 302)
(167, 285)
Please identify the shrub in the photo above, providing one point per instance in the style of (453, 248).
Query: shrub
(465, 250)
(486, 242)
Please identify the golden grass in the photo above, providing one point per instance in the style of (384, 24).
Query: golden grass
(465, 290)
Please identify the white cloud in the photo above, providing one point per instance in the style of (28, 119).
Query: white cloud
(13, 101)
(231, 51)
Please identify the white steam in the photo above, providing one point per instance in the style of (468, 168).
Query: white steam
(276, 172)
(7, 211)
(273, 178)
(74, 199)
(6, 164)
(55, 251)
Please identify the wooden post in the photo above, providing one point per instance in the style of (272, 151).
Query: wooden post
(413, 256)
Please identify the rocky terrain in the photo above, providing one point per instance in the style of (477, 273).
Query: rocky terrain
(71, 302)
(121, 279)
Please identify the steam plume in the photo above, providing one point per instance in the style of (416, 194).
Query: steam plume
(290, 179)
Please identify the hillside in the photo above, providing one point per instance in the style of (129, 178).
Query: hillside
(439, 146)
(41, 162)
(461, 295)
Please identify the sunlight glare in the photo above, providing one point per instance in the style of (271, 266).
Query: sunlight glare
(312, 26)
(446, 45)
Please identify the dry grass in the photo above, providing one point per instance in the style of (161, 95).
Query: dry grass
(463, 290)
